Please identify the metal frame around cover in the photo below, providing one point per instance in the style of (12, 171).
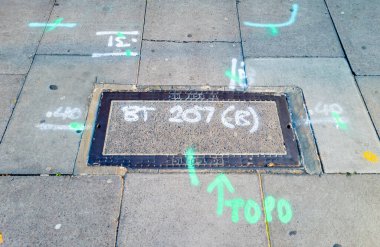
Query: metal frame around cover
(96, 157)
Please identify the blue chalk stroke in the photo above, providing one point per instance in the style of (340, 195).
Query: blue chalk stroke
(273, 26)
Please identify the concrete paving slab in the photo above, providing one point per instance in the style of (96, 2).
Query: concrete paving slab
(59, 211)
(18, 41)
(165, 210)
(169, 63)
(191, 20)
(311, 33)
(91, 17)
(10, 86)
(342, 126)
(358, 26)
(370, 88)
(44, 132)
(332, 210)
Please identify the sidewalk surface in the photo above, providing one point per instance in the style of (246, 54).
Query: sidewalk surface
(54, 52)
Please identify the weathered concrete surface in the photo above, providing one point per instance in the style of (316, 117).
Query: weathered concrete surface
(192, 20)
(222, 127)
(328, 86)
(332, 210)
(358, 26)
(370, 88)
(10, 86)
(19, 41)
(312, 33)
(32, 143)
(168, 63)
(165, 210)
(59, 211)
(92, 17)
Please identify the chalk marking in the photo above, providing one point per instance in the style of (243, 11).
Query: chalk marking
(74, 113)
(291, 20)
(190, 161)
(52, 26)
(117, 32)
(233, 73)
(72, 126)
(236, 79)
(239, 118)
(130, 112)
(127, 53)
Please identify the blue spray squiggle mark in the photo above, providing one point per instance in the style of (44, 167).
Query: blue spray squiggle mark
(273, 26)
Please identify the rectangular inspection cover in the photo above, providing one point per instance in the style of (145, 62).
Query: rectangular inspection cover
(225, 129)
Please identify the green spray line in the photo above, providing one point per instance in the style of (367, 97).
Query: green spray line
(338, 120)
(190, 166)
(55, 24)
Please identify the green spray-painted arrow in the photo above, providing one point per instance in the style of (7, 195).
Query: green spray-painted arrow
(55, 23)
(190, 166)
(339, 121)
(220, 182)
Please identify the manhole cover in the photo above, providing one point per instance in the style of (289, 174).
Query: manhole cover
(226, 129)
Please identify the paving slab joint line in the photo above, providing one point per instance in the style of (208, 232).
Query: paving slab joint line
(339, 39)
(89, 100)
(366, 107)
(241, 39)
(120, 208)
(267, 230)
(303, 56)
(64, 55)
(141, 45)
(193, 41)
(26, 74)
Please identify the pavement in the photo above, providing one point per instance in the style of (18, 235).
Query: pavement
(50, 74)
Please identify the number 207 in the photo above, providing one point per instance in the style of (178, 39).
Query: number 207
(191, 115)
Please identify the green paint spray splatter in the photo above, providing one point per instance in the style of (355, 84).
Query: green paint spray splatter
(76, 126)
(120, 35)
(273, 30)
(338, 120)
(55, 24)
(128, 53)
(220, 182)
(190, 161)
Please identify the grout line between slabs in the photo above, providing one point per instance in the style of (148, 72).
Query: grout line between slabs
(141, 46)
(366, 107)
(120, 209)
(267, 230)
(26, 74)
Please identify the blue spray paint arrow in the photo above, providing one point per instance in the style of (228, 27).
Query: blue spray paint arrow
(273, 26)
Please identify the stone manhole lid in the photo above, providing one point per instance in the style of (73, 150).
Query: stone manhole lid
(225, 129)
